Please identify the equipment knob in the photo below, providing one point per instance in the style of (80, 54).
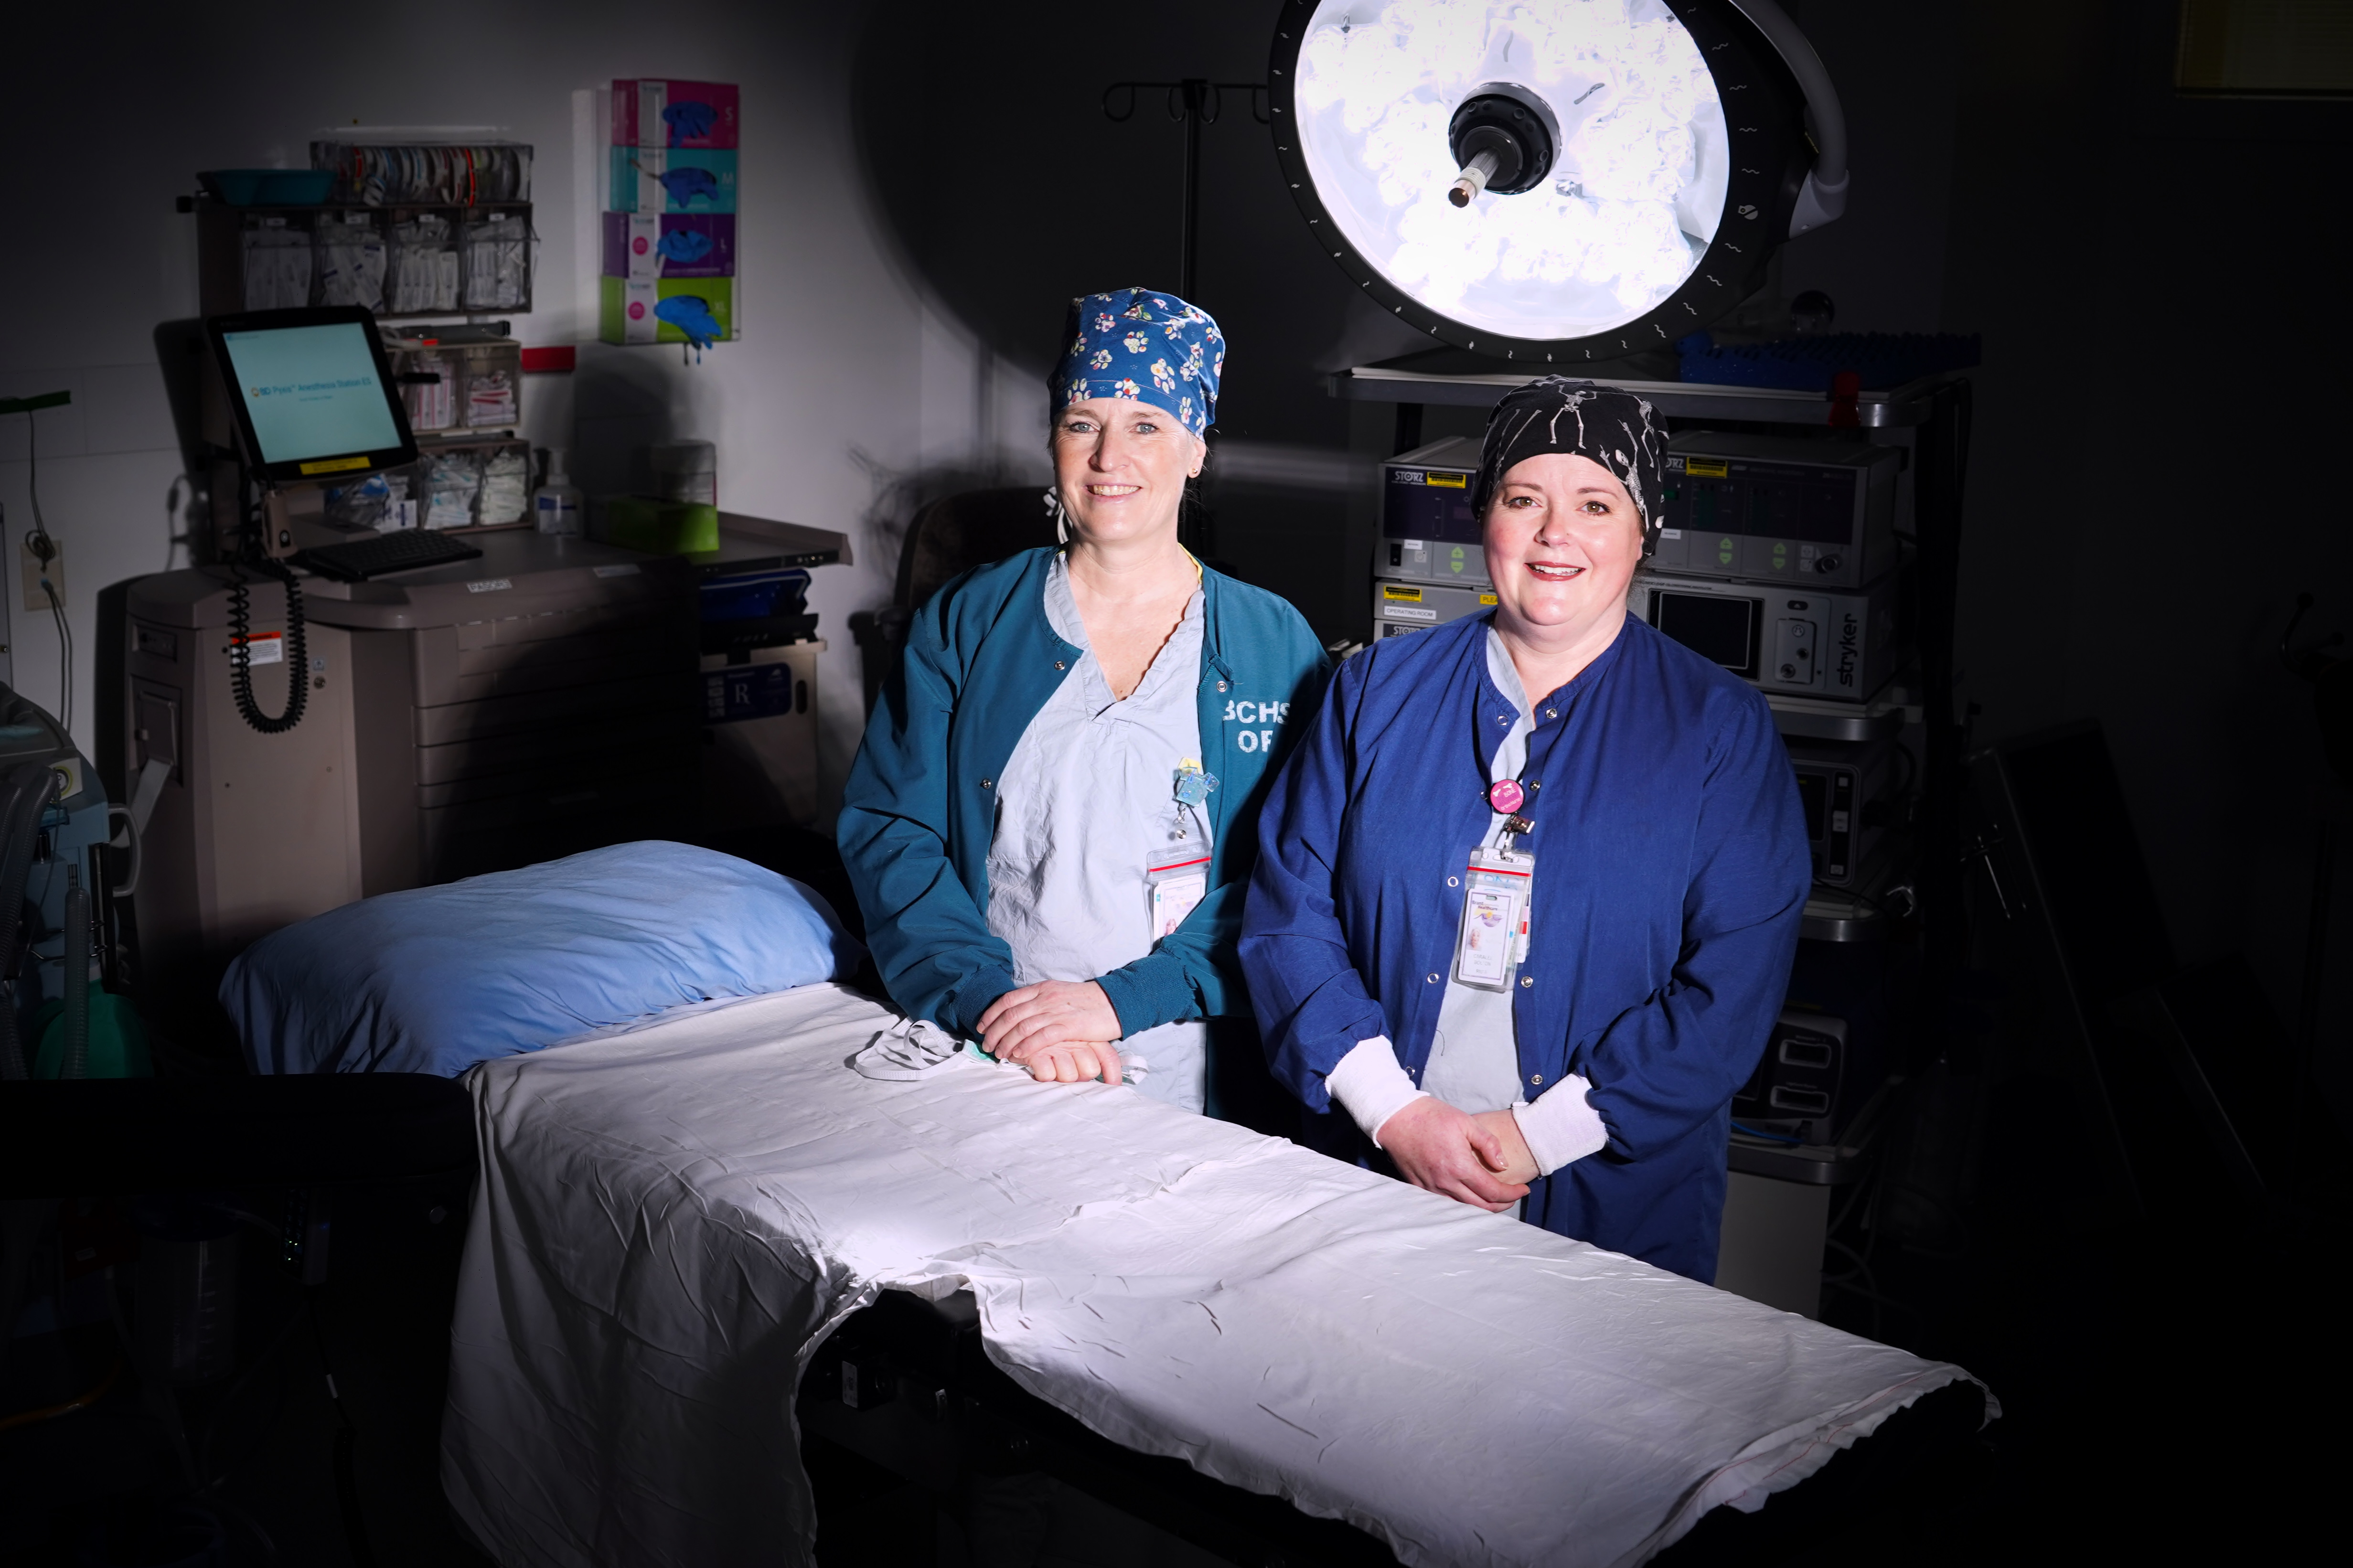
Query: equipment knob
(1827, 563)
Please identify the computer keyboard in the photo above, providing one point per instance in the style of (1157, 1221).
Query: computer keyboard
(404, 550)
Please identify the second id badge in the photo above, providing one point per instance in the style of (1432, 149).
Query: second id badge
(1494, 935)
(1175, 880)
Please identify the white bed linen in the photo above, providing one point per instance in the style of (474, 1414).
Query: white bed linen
(668, 1222)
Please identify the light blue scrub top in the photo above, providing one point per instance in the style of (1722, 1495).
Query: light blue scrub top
(1087, 797)
(1474, 1057)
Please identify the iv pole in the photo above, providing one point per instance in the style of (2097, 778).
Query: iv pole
(1196, 101)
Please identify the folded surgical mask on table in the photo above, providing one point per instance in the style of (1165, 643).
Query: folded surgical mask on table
(917, 1047)
(908, 1048)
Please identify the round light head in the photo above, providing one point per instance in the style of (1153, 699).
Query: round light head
(1410, 131)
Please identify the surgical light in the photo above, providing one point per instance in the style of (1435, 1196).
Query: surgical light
(1555, 180)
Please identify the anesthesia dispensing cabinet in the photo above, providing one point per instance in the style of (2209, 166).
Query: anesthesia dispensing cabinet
(543, 699)
(458, 719)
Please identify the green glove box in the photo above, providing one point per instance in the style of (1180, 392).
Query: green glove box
(659, 527)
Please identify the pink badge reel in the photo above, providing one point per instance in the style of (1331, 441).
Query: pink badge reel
(1507, 796)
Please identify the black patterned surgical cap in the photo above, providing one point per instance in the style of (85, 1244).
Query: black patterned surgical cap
(1616, 429)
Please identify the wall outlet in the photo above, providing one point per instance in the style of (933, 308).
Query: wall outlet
(29, 570)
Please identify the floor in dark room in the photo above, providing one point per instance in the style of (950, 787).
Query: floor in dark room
(2171, 1389)
(262, 1442)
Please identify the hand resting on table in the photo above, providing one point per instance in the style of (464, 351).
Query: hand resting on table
(1447, 1152)
(1061, 1030)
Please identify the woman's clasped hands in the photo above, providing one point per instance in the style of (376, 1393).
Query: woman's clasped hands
(1063, 1031)
(1478, 1160)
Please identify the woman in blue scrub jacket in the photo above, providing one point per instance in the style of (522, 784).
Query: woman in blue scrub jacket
(1534, 878)
(1052, 821)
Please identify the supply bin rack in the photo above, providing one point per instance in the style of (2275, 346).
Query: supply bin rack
(221, 243)
(467, 354)
(492, 444)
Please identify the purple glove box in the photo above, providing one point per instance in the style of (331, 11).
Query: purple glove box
(634, 245)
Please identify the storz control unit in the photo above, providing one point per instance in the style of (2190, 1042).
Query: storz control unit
(1763, 509)
(1400, 607)
(1427, 534)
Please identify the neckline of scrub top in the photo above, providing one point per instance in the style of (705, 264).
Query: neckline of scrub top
(1529, 705)
(1062, 616)
(1560, 703)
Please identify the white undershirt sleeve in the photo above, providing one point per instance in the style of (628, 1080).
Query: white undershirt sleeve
(1371, 1087)
(1558, 1125)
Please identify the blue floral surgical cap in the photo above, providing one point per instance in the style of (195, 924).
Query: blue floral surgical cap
(1151, 347)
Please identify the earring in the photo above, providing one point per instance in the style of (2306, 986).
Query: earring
(1053, 498)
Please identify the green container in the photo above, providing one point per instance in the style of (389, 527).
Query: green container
(660, 527)
(118, 1041)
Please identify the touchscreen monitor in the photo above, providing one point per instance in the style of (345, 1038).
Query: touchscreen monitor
(312, 393)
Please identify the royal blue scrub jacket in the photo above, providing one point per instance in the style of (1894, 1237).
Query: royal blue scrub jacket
(920, 808)
(1672, 873)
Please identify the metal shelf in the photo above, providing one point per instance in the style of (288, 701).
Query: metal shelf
(1406, 380)
(1819, 719)
(1818, 1164)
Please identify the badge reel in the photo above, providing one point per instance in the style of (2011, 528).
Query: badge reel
(1494, 939)
(1177, 874)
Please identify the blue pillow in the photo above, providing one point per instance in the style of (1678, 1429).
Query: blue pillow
(437, 979)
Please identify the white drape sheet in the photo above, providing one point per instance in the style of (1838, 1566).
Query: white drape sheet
(670, 1221)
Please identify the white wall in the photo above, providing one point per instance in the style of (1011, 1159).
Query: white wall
(846, 377)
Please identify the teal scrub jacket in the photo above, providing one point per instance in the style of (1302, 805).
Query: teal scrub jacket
(919, 807)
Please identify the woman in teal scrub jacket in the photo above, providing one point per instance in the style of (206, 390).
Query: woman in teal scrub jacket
(1052, 820)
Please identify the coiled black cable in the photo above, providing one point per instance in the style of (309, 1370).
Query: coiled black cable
(240, 648)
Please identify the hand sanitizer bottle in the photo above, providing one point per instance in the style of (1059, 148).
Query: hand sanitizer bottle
(555, 505)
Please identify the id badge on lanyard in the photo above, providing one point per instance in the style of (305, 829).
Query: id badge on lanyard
(1177, 875)
(1175, 880)
(1496, 902)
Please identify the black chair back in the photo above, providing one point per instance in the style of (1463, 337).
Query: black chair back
(957, 532)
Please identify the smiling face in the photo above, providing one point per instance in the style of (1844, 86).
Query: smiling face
(1121, 467)
(1563, 539)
